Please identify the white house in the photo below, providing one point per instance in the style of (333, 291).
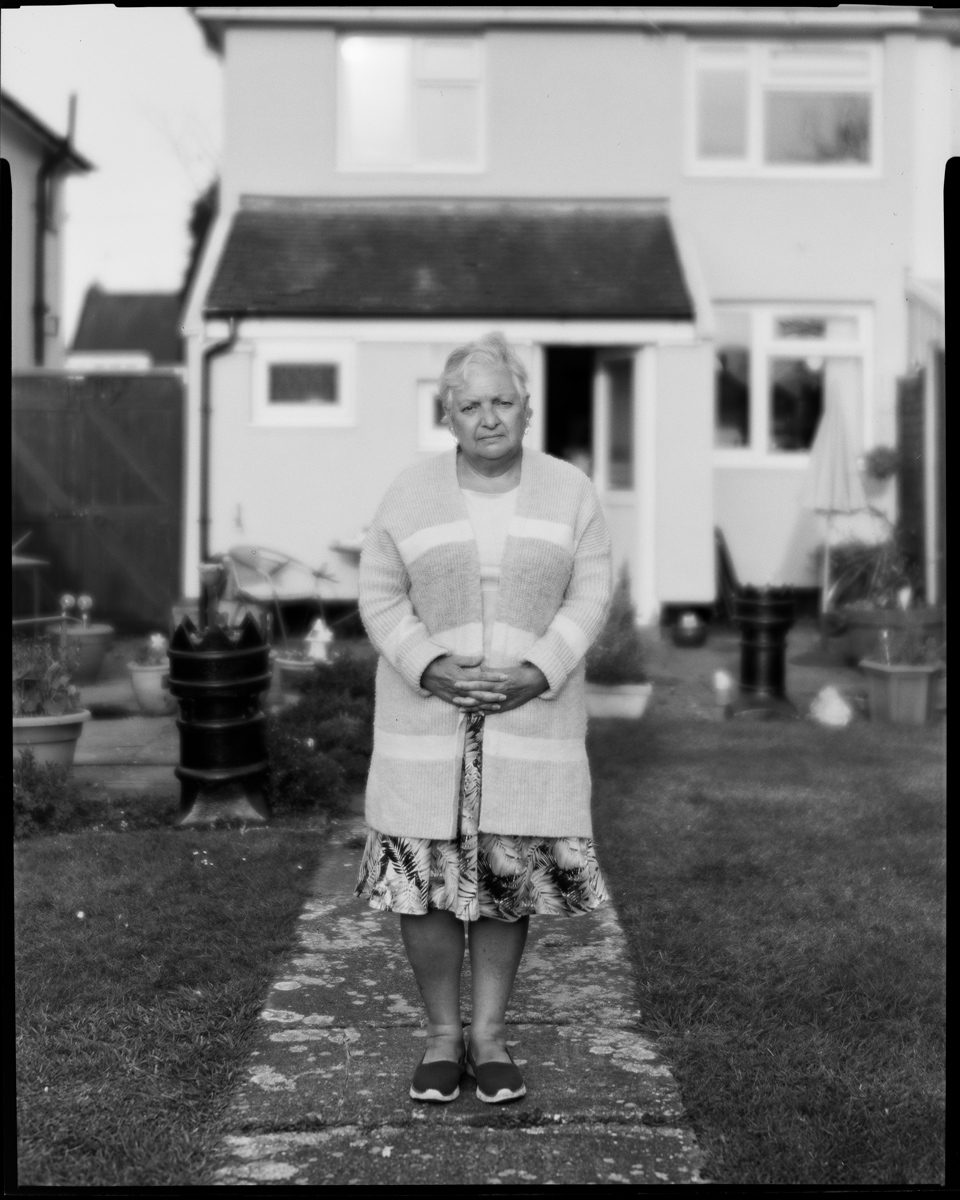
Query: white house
(40, 161)
(701, 225)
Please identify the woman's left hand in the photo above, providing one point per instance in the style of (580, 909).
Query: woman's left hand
(520, 684)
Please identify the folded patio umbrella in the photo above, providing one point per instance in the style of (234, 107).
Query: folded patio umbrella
(832, 485)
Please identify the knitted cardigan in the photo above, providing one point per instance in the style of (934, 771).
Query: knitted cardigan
(420, 599)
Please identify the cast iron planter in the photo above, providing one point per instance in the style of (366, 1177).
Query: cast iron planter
(764, 616)
(218, 677)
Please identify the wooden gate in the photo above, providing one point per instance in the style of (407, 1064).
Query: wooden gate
(97, 473)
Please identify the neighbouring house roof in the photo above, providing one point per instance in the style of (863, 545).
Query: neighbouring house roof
(130, 322)
(49, 141)
(516, 259)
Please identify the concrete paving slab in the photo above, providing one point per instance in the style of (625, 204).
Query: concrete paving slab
(436, 1153)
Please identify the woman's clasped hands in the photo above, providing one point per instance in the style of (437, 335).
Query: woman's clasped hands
(469, 684)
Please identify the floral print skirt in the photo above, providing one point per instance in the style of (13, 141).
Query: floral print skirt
(476, 874)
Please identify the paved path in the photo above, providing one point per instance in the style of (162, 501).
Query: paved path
(324, 1097)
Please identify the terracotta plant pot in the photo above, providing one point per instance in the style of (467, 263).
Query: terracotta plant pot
(900, 693)
(151, 686)
(52, 739)
(88, 646)
(628, 700)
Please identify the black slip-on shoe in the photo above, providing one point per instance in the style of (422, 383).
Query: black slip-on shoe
(497, 1082)
(437, 1082)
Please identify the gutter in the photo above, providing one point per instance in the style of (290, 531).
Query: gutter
(214, 350)
(48, 168)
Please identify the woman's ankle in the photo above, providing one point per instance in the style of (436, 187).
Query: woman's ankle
(489, 1043)
(444, 1043)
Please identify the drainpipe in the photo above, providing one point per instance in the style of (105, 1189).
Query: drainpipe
(206, 411)
(48, 168)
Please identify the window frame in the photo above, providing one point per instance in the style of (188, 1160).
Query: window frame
(346, 160)
(430, 436)
(755, 59)
(765, 346)
(267, 413)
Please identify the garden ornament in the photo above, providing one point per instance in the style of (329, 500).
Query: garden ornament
(318, 641)
(830, 708)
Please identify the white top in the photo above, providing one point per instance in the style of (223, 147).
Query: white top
(490, 514)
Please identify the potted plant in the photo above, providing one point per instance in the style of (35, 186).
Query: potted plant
(47, 716)
(867, 596)
(297, 665)
(903, 672)
(150, 676)
(90, 641)
(616, 674)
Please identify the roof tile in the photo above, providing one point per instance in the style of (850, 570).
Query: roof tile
(451, 259)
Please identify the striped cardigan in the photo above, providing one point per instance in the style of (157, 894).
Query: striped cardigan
(420, 599)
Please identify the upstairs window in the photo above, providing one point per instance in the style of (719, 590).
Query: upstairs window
(784, 109)
(410, 103)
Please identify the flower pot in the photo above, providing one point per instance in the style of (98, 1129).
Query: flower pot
(864, 626)
(295, 672)
(618, 700)
(52, 739)
(151, 686)
(87, 645)
(900, 693)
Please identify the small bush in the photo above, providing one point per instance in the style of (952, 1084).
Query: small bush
(319, 747)
(46, 799)
(617, 656)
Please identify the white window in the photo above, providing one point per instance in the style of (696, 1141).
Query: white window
(776, 370)
(304, 383)
(433, 432)
(784, 109)
(410, 103)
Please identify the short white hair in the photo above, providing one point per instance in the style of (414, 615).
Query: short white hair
(493, 350)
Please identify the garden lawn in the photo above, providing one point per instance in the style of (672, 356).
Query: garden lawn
(781, 886)
(142, 960)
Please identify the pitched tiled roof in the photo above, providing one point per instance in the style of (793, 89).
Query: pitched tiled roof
(603, 260)
(125, 322)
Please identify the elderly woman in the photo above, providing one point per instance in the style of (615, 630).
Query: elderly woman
(484, 578)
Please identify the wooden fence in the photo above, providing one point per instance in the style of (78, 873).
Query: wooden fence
(97, 481)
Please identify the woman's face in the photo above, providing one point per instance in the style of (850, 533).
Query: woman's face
(488, 415)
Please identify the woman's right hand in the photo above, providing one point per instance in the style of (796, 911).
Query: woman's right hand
(464, 682)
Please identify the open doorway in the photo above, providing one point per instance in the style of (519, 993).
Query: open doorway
(569, 404)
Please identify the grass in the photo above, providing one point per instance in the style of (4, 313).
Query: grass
(143, 957)
(781, 888)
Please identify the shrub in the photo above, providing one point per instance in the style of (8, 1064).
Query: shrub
(46, 799)
(319, 748)
(617, 656)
